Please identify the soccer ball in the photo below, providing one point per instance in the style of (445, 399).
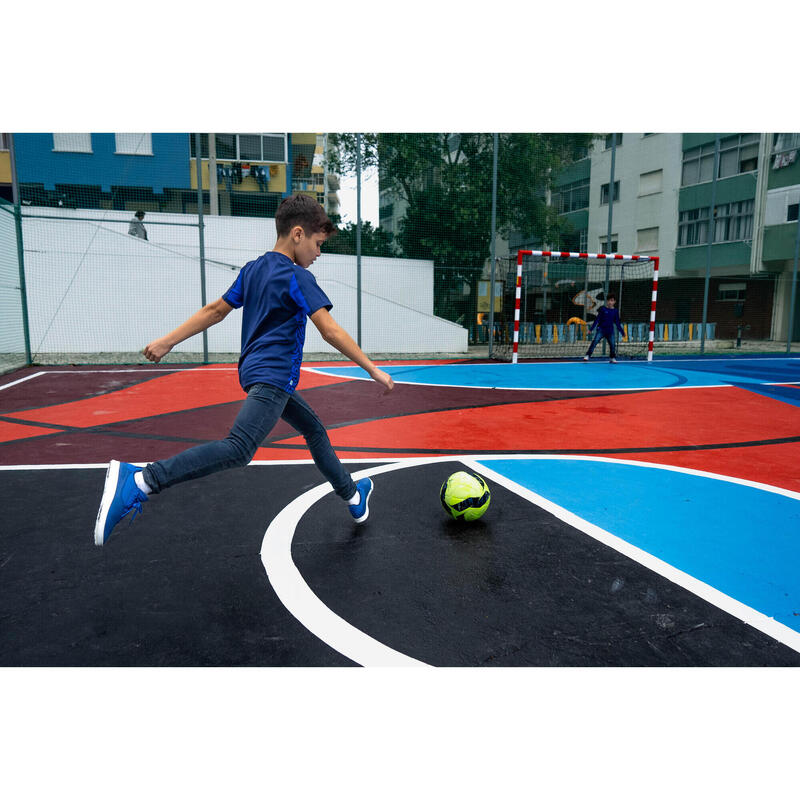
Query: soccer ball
(465, 495)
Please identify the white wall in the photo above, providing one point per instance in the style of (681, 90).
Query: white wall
(93, 288)
(635, 211)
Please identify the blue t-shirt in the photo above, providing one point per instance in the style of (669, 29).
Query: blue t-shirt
(277, 296)
(607, 318)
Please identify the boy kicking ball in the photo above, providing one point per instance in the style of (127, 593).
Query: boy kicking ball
(277, 294)
(607, 318)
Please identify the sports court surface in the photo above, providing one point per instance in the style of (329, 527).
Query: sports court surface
(641, 515)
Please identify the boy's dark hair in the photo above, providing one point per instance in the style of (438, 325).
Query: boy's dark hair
(611, 296)
(139, 214)
(302, 210)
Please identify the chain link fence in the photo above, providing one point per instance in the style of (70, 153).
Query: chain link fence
(123, 236)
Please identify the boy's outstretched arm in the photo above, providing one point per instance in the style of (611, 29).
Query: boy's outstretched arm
(201, 320)
(335, 335)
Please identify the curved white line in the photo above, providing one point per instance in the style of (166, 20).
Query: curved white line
(596, 388)
(343, 637)
(300, 600)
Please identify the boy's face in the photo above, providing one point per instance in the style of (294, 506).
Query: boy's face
(611, 302)
(306, 247)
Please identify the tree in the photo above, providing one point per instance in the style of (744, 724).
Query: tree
(446, 181)
(374, 241)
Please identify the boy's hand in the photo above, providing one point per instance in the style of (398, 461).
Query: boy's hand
(384, 379)
(156, 350)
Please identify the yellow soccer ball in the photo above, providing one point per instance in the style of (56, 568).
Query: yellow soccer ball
(465, 495)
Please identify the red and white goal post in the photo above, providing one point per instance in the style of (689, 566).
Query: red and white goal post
(556, 298)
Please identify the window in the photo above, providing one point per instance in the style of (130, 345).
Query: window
(731, 291)
(646, 239)
(614, 244)
(698, 165)
(72, 142)
(693, 227)
(273, 146)
(791, 212)
(650, 182)
(785, 141)
(269, 147)
(583, 242)
(250, 147)
(572, 196)
(134, 144)
(737, 154)
(4, 141)
(732, 222)
(604, 193)
(610, 140)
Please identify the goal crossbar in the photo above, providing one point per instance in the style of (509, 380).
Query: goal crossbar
(604, 256)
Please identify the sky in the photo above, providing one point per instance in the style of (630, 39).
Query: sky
(369, 197)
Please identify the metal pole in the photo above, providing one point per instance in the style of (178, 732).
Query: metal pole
(20, 249)
(358, 238)
(495, 144)
(793, 295)
(325, 172)
(200, 227)
(213, 189)
(610, 217)
(711, 227)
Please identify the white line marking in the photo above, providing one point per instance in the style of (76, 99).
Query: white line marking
(304, 605)
(22, 467)
(767, 487)
(143, 369)
(616, 368)
(750, 616)
(300, 600)
(21, 380)
(286, 462)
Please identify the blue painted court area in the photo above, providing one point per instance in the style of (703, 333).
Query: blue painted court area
(742, 541)
(594, 375)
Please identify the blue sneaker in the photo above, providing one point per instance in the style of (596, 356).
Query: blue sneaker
(120, 496)
(360, 511)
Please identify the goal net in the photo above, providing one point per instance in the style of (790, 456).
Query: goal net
(551, 299)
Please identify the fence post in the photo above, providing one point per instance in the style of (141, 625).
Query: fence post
(495, 142)
(358, 239)
(200, 227)
(711, 227)
(610, 217)
(793, 291)
(20, 250)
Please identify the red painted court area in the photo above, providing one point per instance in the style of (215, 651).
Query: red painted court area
(90, 415)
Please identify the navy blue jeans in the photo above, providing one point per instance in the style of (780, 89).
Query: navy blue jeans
(262, 409)
(598, 335)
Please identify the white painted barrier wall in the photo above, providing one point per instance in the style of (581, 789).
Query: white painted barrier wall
(92, 288)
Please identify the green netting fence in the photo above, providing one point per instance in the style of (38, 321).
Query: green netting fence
(432, 272)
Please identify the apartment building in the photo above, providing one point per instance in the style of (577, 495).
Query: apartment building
(242, 174)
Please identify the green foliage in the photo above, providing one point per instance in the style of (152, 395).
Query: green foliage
(374, 241)
(446, 181)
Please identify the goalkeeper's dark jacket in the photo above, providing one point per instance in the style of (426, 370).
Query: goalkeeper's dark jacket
(607, 318)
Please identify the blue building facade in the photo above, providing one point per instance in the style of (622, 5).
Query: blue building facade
(148, 172)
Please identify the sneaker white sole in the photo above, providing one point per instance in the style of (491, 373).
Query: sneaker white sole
(363, 517)
(110, 487)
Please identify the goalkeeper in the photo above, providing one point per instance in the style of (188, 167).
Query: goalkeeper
(277, 293)
(607, 319)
